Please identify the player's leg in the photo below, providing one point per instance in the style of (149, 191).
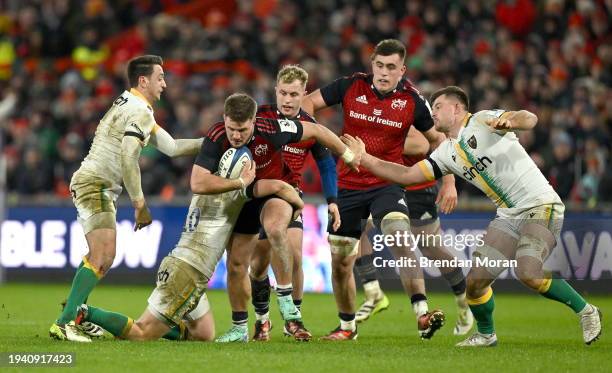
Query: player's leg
(375, 299)
(294, 328)
(538, 239)
(424, 222)
(344, 247)
(260, 287)
(94, 200)
(275, 218)
(200, 322)
(238, 285)
(390, 213)
(499, 243)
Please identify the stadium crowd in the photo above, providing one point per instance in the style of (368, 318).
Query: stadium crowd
(61, 65)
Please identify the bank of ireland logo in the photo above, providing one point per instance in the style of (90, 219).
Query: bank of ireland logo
(261, 149)
(398, 104)
(377, 112)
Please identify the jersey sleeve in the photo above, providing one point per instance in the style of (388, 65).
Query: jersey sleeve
(484, 115)
(436, 165)
(209, 155)
(319, 151)
(280, 132)
(422, 114)
(140, 124)
(334, 92)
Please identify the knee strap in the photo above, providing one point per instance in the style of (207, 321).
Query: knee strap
(342, 245)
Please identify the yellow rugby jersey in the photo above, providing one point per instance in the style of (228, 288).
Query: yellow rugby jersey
(493, 161)
(130, 114)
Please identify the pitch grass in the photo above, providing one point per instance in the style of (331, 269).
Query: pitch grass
(535, 334)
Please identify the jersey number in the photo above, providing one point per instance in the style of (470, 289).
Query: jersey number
(192, 220)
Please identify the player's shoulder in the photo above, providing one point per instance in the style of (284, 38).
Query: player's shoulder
(267, 111)
(133, 104)
(216, 132)
(304, 116)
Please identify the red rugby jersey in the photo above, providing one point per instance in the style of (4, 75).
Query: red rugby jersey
(381, 121)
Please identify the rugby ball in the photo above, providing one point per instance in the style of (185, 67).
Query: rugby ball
(233, 161)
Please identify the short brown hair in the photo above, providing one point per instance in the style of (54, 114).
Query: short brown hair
(452, 91)
(289, 73)
(240, 107)
(389, 47)
(141, 66)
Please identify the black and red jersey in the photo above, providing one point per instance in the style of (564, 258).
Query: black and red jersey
(294, 155)
(381, 121)
(269, 136)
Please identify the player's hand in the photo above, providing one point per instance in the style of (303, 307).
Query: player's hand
(447, 198)
(357, 146)
(142, 215)
(499, 124)
(334, 215)
(248, 173)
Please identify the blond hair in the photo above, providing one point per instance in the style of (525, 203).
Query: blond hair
(290, 73)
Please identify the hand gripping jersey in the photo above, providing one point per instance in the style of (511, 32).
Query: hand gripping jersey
(130, 115)
(381, 121)
(269, 136)
(493, 161)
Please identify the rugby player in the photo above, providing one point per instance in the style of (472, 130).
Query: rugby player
(290, 89)
(178, 307)
(484, 150)
(266, 137)
(424, 221)
(112, 159)
(380, 107)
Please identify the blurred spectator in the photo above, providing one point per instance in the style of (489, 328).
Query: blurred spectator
(552, 57)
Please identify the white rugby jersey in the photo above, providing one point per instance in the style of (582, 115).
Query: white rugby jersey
(207, 230)
(130, 114)
(493, 161)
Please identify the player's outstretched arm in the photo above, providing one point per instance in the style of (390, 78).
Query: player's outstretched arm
(521, 120)
(171, 147)
(390, 171)
(328, 139)
(130, 152)
(204, 182)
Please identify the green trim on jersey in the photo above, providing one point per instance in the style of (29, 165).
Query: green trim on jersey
(486, 177)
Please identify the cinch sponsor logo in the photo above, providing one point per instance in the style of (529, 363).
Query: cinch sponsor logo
(375, 119)
(477, 168)
(292, 150)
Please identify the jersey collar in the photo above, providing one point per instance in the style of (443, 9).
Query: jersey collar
(464, 123)
(298, 116)
(138, 94)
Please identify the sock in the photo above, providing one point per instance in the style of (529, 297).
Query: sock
(559, 290)
(262, 317)
(372, 290)
(240, 318)
(347, 321)
(298, 304)
(284, 290)
(482, 309)
(260, 294)
(461, 300)
(456, 280)
(83, 283)
(176, 333)
(116, 323)
(365, 268)
(419, 304)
